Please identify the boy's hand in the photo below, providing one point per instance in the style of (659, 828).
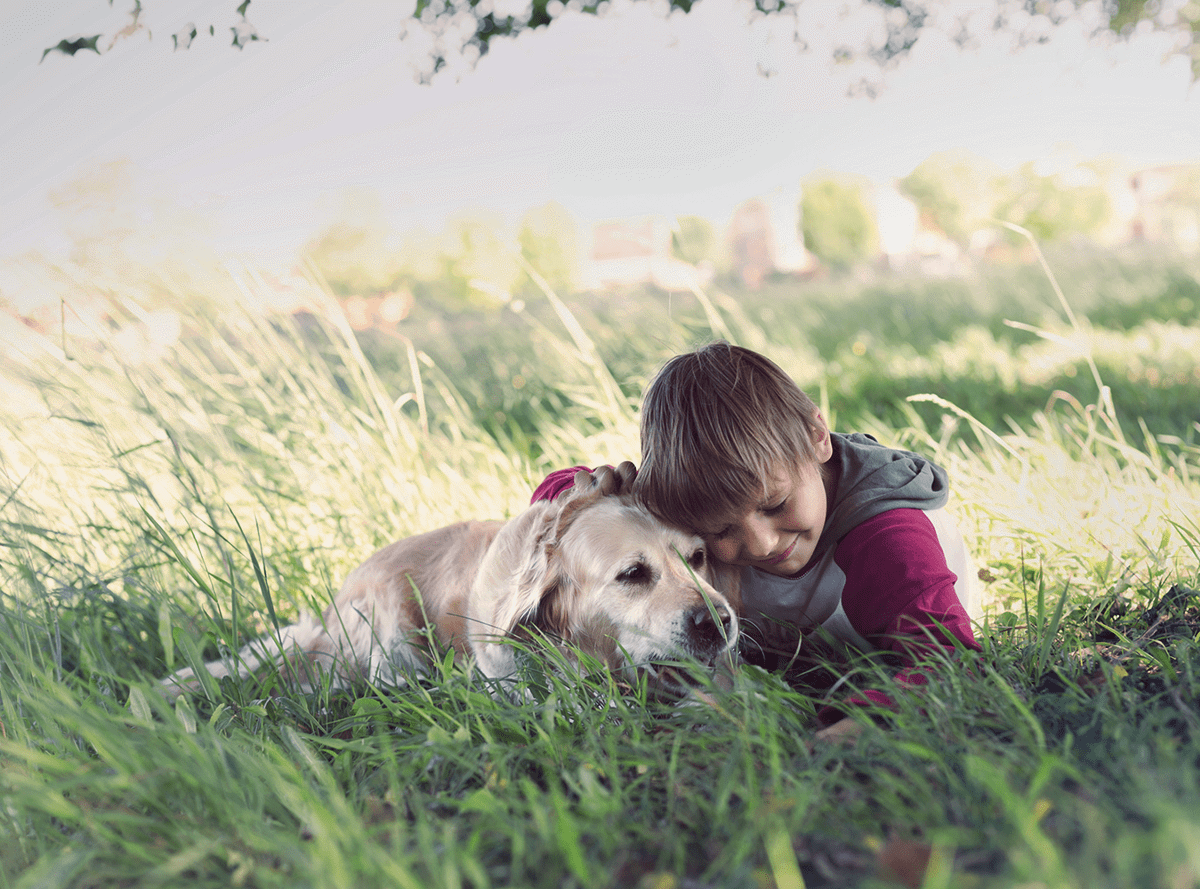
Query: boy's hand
(844, 731)
(607, 479)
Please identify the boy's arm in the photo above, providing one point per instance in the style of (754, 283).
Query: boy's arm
(900, 594)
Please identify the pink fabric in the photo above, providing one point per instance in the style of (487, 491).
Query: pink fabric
(899, 592)
(556, 482)
(900, 597)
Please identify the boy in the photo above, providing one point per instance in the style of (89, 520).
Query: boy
(828, 530)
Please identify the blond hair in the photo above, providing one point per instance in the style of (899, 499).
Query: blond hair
(717, 424)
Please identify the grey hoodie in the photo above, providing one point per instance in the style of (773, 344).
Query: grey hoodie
(872, 479)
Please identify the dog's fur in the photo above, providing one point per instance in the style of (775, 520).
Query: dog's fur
(592, 571)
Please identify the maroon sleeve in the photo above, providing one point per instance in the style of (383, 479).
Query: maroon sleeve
(555, 483)
(899, 595)
(899, 592)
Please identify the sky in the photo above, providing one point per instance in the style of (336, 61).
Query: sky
(634, 112)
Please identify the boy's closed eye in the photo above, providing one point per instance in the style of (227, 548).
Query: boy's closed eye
(770, 511)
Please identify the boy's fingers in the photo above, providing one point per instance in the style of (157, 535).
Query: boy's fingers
(626, 472)
(585, 480)
(844, 731)
(607, 480)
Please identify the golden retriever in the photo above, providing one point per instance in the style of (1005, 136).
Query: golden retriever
(592, 571)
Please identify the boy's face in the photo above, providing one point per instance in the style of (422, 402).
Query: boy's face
(778, 533)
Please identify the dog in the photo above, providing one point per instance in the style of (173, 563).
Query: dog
(591, 572)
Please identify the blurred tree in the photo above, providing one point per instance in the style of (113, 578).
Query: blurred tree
(955, 190)
(1052, 206)
(549, 241)
(357, 253)
(838, 225)
(479, 267)
(100, 211)
(132, 235)
(469, 264)
(354, 253)
(695, 240)
(462, 30)
(353, 259)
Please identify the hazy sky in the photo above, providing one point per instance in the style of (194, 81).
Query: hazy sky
(626, 114)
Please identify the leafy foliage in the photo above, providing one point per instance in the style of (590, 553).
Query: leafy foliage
(695, 241)
(956, 191)
(960, 193)
(549, 242)
(68, 47)
(838, 227)
(464, 29)
(1051, 208)
(353, 259)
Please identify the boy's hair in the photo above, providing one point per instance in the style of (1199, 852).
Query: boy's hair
(716, 424)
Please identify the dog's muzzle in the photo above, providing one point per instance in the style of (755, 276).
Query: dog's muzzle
(709, 629)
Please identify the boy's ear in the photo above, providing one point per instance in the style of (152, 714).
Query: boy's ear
(822, 443)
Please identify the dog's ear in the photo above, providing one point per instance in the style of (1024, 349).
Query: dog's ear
(548, 618)
(522, 581)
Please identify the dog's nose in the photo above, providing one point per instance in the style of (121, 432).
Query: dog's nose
(710, 626)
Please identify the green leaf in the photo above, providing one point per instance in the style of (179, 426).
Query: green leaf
(72, 46)
(782, 858)
(185, 714)
(140, 706)
(567, 833)
(165, 637)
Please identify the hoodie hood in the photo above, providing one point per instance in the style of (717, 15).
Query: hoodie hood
(873, 479)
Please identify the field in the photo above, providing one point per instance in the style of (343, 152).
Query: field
(161, 505)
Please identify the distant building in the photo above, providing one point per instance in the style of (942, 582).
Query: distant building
(624, 252)
(752, 242)
(765, 238)
(381, 310)
(909, 240)
(1167, 206)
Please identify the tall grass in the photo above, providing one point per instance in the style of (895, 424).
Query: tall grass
(158, 509)
(996, 345)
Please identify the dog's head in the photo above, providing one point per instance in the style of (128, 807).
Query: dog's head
(595, 570)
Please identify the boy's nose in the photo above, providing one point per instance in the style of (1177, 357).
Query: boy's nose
(759, 541)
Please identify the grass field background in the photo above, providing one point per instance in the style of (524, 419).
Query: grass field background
(161, 507)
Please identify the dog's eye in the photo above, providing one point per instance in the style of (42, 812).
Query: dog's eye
(639, 573)
(696, 559)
